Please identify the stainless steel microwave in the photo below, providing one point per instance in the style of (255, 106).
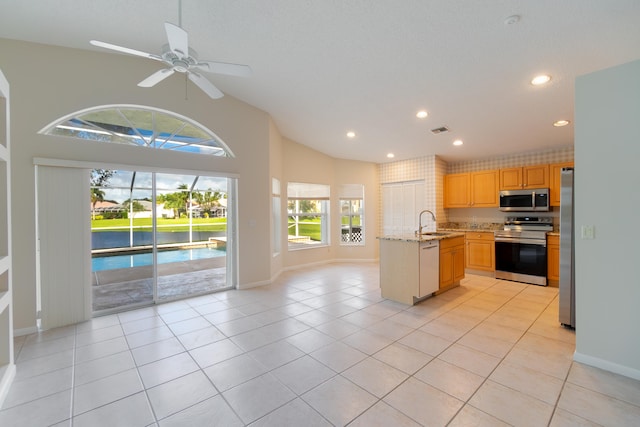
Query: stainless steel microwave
(536, 199)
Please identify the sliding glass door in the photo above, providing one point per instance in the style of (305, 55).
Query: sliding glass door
(158, 237)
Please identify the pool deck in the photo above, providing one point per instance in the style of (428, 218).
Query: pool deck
(134, 286)
(212, 242)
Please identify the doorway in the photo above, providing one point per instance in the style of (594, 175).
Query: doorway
(133, 239)
(157, 237)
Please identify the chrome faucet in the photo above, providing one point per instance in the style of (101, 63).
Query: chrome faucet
(419, 232)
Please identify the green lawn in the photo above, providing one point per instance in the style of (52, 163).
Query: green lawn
(311, 228)
(164, 224)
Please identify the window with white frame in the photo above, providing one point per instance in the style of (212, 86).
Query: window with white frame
(275, 216)
(308, 215)
(351, 214)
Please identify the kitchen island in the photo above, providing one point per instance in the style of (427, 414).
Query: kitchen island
(413, 268)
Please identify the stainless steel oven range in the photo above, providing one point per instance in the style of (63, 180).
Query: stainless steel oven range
(521, 249)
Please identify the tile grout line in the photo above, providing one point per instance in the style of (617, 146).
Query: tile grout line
(73, 376)
(360, 328)
(504, 357)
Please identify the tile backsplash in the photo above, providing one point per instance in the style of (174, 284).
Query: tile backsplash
(557, 155)
(432, 169)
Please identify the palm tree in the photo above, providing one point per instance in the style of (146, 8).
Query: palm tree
(176, 201)
(209, 200)
(97, 195)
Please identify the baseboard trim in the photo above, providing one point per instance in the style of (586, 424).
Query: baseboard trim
(303, 266)
(25, 331)
(606, 365)
(254, 284)
(330, 261)
(6, 378)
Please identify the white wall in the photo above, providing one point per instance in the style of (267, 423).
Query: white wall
(607, 152)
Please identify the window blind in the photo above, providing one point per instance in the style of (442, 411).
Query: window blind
(299, 190)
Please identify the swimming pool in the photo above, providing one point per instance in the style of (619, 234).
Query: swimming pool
(142, 259)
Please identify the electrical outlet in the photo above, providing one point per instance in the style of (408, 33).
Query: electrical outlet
(588, 232)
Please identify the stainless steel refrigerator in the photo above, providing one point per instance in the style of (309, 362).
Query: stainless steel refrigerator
(567, 295)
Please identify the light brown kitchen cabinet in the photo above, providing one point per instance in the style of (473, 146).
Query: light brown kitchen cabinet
(484, 189)
(474, 189)
(451, 262)
(480, 251)
(524, 177)
(553, 259)
(457, 190)
(554, 182)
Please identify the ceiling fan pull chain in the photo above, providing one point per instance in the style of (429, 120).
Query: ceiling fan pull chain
(186, 87)
(180, 13)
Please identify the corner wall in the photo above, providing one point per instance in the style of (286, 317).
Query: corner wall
(607, 149)
(303, 164)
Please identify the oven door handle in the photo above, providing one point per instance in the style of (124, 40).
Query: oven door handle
(537, 242)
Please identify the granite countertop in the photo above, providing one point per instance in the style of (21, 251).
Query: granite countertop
(469, 226)
(410, 237)
(465, 230)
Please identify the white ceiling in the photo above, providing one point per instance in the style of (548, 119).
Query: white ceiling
(324, 67)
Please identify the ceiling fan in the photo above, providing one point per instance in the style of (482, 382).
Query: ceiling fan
(182, 59)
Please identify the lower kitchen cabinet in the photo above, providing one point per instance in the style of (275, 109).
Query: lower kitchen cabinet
(451, 262)
(480, 251)
(553, 259)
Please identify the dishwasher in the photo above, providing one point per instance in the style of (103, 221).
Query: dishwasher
(429, 268)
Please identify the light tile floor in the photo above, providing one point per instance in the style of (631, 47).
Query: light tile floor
(320, 347)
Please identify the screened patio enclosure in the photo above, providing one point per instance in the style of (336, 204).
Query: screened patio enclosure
(156, 236)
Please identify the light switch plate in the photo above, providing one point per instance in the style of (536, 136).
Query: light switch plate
(588, 232)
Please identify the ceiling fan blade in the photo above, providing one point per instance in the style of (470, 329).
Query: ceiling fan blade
(225, 68)
(125, 50)
(206, 86)
(178, 39)
(156, 77)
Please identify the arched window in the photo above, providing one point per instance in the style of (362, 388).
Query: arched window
(139, 126)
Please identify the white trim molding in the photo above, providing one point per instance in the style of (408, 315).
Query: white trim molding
(606, 365)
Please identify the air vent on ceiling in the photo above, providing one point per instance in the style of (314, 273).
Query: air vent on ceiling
(439, 130)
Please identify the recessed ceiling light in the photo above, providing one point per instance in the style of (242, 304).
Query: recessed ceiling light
(513, 19)
(561, 123)
(457, 142)
(541, 79)
(391, 155)
(422, 114)
(351, 134)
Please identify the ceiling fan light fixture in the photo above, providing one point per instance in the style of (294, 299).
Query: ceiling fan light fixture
(179, 57)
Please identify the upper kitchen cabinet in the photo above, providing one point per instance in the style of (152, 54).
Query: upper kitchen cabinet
(554, 182)
(457, 190)
(484, 189)
(474, 189)
(524, 177)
